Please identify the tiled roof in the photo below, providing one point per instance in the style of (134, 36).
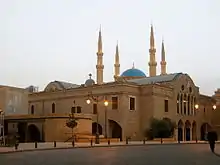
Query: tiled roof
(66, 85)
(156, 79)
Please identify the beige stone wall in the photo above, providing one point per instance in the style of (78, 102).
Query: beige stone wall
(13, 100)
(56, 130)
(12, 127)
(149, 103)
(2, 98)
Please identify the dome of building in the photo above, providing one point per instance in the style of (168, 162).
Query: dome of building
(89, 81)
(133, 72)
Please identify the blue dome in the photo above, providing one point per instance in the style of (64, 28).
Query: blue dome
(133, 72)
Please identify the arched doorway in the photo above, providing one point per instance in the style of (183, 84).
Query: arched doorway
(205, 127)
(96, 126)
(180, 130)
(33, 133)
(22, 127)
(194, 134)
(115, 129)
(187, 130)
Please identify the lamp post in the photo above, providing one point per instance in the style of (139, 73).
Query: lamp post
(196, 106)
(214, 107)
(2, 115)
(98, 99)
(106, 118)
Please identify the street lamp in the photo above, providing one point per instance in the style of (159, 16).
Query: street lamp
(197, 106)
(2, 115)
(106, 118)
(98, 99)
(214, 107)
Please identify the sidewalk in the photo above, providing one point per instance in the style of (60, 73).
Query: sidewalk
(61, 145)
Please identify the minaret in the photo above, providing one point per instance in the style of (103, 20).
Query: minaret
(163, 60)
(117, 63)
(99, 66)
(152, 63)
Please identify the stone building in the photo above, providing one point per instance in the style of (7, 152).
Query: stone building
(133, 100)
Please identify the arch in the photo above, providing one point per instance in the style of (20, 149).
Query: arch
(115, 129)
(181, 103)
(188, 105)
(177, 103)
(180, 130)
(22, 127)
(33, 133)
(96, 126)
(194, 103)
(194, 135)
(53, 107)
(191, 104)
(187, 130)
(205, 127)
(184, 104)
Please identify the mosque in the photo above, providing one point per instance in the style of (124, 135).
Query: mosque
(121, 108)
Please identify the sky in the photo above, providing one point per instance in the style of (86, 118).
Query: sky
(46, 40)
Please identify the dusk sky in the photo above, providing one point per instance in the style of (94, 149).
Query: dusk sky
(46, 40)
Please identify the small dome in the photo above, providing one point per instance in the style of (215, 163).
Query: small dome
(89, 81)
(133, 72)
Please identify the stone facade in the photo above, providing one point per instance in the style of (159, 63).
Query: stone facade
(133, 100)
(149, 102)
(13, 100)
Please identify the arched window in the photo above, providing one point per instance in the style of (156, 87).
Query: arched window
(194, 103)
(53, 108)
(188, 105)
(78, 109)
(32, 109)
(181, 103)
(191, 105)
(177, 104)
(184, 104)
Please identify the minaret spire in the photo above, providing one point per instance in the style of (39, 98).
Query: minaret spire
(163, 60)
(100, 41)
(99, 66)
(152, 63)
(117, 63)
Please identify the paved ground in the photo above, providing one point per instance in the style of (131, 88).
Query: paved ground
(186, 154)
(31, 146)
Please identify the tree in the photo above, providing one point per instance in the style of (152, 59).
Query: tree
(160, 129)
(71, 123)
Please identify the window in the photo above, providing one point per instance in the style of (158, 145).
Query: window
(94, 108)
(78, 109)
(115, 102)
(188, 105)
(166, 106)
(178, 104)
(32, 109)
(53, 108)
(190, 89)
(182, 87)
(181, 103)
(132, 103)
(184, 104)
(73, 110)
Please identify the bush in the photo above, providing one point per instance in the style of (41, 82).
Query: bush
(160, 129)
